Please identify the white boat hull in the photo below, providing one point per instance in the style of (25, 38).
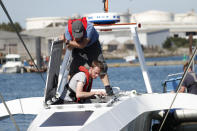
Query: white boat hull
(130, 58)
(119, 116)
(12, 70)
(31, 105)
(130, 112)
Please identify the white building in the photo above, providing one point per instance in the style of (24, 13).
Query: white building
(179, 25)
(153, 37)
(152, 16)
(125, 17)
(44, 22)
(190, 17)
(156, 27)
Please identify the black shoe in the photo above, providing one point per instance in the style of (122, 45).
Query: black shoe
(58, 101)
(109, 90)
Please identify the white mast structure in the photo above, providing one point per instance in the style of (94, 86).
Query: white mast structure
(134, 36)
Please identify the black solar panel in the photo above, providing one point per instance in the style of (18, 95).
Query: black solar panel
(75, 118)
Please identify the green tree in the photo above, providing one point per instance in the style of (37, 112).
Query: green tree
(174, 42)
(167, 44)
(9, 27)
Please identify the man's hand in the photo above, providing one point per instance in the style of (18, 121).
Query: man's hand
(100, 93)
(68, 45)
(62, 37)
(67, 42)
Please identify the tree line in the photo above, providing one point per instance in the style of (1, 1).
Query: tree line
(175, 42)
(9, 27)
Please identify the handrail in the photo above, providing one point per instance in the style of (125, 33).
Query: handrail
(133, 28)
(115, 24)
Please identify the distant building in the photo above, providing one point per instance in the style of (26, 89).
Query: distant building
(147, 37)
(44, 22)
(153, 37)
(48, 34)
(156, 27)
(179, 25)
(10, 44)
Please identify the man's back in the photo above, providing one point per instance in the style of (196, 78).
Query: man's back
(78, 77)
(191, 83)
(91, 34)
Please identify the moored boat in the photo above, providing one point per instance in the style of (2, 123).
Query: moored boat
(13, 64)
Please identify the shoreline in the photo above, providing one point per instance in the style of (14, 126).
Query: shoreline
(148, 55)
(120, 54)
(152, 63)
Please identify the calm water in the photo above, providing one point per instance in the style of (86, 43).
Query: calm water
(14, 86)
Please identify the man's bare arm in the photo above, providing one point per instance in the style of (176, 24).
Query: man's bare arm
(82, 94)
(182, 89)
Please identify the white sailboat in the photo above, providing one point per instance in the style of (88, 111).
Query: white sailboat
(130, 58)
(125, 111)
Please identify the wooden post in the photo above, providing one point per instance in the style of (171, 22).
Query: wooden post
(38, 52)
(190, 43)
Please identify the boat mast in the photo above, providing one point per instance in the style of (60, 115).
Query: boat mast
(141, 59)
(105, 5)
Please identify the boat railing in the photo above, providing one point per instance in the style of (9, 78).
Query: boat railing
(134, 35)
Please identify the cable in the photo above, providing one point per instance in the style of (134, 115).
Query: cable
(18, 34)
(177, 92)
(10, 114)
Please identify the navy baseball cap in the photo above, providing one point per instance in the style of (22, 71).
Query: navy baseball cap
(77, 29)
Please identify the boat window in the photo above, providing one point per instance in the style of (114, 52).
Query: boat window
(13, 59)
(90, 18)
(74, 118)
(10, 59)
(17, 59)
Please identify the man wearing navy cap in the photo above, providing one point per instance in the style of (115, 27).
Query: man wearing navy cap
(83, 38)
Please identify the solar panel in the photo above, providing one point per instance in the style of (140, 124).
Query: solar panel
(75, 118)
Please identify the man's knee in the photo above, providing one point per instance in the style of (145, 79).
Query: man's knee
(104, 71)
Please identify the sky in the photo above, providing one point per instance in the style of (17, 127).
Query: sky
(19, 10)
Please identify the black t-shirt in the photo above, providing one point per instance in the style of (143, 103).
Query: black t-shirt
(190, 83)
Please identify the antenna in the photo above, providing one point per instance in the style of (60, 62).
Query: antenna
(105, 5)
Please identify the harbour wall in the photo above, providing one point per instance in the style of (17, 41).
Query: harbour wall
(153, 63)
